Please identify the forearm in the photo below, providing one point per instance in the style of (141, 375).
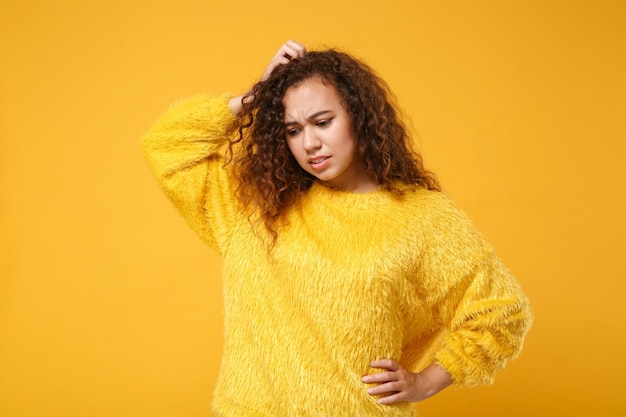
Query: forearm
(183, 149)
(488, 326)
(436, 379)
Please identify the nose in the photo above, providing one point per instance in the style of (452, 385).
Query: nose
(310, 140)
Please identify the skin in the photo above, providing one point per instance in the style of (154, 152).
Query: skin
(318, 131)
(398, 384)
(288, 51)
(302, 113)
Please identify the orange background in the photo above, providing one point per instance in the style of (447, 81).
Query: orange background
(110, 306)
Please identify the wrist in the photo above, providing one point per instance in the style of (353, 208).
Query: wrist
(234, 104)
(434, 379)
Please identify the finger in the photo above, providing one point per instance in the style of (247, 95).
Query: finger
(380, 377)
(291, 52)
(284, 60)
(297, 47)
(393, 398)
(282, 53)
(288, 51)
(280, 58)
(392, 387)
(386, 364)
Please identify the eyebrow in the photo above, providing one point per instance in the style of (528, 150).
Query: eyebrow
(311, 117)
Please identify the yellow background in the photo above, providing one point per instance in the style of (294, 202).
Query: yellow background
(110, 306)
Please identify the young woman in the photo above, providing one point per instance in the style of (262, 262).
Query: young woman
(352, 286)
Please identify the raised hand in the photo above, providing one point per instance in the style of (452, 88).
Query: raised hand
(288, 51)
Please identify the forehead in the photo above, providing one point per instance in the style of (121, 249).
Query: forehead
(310, 96)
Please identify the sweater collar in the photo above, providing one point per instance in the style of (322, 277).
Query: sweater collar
(322, 194)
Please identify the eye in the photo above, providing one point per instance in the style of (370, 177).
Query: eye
(292, 131)
(324, 122)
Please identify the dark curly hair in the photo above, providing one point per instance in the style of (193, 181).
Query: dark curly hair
(270, 178)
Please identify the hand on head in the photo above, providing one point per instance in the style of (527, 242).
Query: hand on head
(288, 51)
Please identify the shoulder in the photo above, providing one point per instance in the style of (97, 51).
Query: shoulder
(433, 206)
(441, 223)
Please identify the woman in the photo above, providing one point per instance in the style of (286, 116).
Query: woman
(352, 286)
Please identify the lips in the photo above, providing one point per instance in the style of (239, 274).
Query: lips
(318, 159)
(318, 162)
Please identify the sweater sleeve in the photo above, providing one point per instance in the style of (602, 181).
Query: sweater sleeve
(184, 151)
(481, 307)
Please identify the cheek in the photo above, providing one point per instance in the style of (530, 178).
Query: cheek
(295, 151)
(346, 139)
(349, 144)
(291, 147)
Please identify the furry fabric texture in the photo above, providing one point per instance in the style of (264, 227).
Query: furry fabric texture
(352, 278)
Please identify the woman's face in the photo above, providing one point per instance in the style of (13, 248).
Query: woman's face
(318, 130)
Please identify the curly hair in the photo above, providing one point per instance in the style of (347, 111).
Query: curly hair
(270, 178)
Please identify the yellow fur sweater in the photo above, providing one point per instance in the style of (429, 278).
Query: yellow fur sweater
(352, 278)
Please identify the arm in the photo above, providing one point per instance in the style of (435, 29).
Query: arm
(486, 331)
(187, 134)
(479, 307)
(197, 128)
(487, 322)
(183, 149)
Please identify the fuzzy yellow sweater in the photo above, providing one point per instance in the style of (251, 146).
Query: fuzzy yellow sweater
(352, 278)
